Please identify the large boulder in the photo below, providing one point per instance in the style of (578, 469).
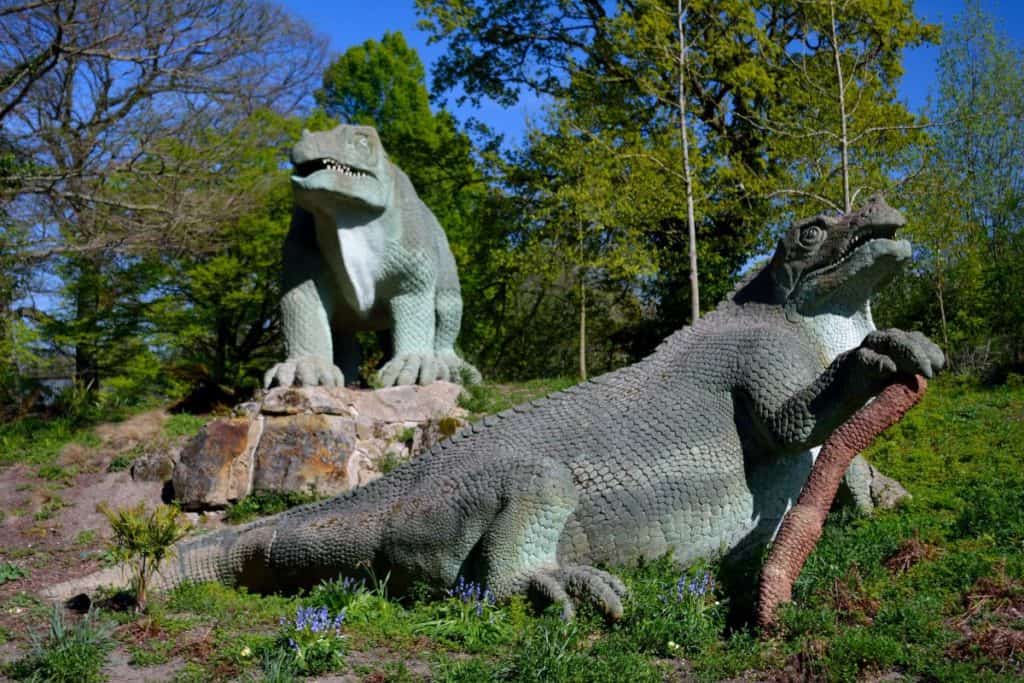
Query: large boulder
(312, 440)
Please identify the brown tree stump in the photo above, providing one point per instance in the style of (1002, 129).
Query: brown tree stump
(802, 526)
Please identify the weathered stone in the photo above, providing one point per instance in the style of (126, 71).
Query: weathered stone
(307, 453)
(155, 465)
(886, 492)
(296, 400)
(407, 403)
(215, 466)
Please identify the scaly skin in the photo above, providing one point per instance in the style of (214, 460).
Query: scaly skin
(695, 449)
(364, 253)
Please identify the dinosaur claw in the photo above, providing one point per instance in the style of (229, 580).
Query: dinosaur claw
(568, 585)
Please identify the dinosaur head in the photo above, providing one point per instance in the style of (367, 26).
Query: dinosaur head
(825, 263)
(345, 166)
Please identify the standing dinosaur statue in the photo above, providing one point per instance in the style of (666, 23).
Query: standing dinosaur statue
(695, 449)
(364, 254)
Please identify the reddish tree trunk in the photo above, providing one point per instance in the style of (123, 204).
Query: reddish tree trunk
(802, 526)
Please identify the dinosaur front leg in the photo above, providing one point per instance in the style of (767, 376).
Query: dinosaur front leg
(305, 309)
(412, 329)
(520, 549)
(307, 336)
(451, 368)
(806, 418)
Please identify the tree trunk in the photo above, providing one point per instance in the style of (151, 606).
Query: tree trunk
(844, 139)
(802, 526)
(691, 223)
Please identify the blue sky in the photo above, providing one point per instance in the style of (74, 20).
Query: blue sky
(350, 22)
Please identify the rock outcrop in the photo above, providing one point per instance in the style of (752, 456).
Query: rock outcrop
(312, 440)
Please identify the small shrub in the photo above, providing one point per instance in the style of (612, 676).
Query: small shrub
(70, 654)
(143, 539)
(10, 572)
(314, 639)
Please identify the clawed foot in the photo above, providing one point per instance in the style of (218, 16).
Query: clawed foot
(568, 585)
(909, 353)
(451, 368)
(308, 371)
(425, 368)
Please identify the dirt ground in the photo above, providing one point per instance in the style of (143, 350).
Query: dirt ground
(51, 526)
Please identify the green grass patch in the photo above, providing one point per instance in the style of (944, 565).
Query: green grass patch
(489, 398)
(183, 425)
(263, 503)
(71, 653)
(10, 572)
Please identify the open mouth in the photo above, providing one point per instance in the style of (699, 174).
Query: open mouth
(864, 236)
(308, 168)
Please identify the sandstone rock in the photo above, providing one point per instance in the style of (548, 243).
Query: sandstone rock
(313, 439)
(216, 465)
(307, 453)
(319, 400)
(155, 465)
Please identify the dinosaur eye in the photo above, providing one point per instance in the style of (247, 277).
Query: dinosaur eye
(811, 235)
(362, 145)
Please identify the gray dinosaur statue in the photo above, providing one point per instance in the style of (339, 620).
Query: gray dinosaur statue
(364, 253)
(695, 449)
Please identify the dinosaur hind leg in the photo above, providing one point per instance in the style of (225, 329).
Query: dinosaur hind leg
(520, 550)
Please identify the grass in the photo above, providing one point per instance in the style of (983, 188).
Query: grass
(487, 399)
(930, 591)
(71, 653)
(263, 503)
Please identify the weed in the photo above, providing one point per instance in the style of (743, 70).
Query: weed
(120, 463)
(85, 537)
(10, 572)
(54, 472)
(49, 508)
(279, 666)
(143, 539)
(70, 653)
(447, 426)
(263, 503)
(407, 436)
(390, 460)
(183, 424)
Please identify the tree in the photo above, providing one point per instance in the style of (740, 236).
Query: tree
(614, 69)
(97, 92)
(967, 205)
(840, 128)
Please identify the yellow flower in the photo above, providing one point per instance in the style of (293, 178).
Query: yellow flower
(246, 652)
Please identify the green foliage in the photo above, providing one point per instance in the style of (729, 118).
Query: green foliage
(69, 654)
(183, 424)
(120, 463)
(10, 572)
(469, 617)
(967, 204)
(263, 503)
(143, 539)
(488, 398)
(314, 639)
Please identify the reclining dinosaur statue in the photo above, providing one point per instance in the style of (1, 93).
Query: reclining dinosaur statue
(364, 253)
(696, 448)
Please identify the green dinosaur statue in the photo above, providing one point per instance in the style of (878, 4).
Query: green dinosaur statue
(364, 253)
(695, 449)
